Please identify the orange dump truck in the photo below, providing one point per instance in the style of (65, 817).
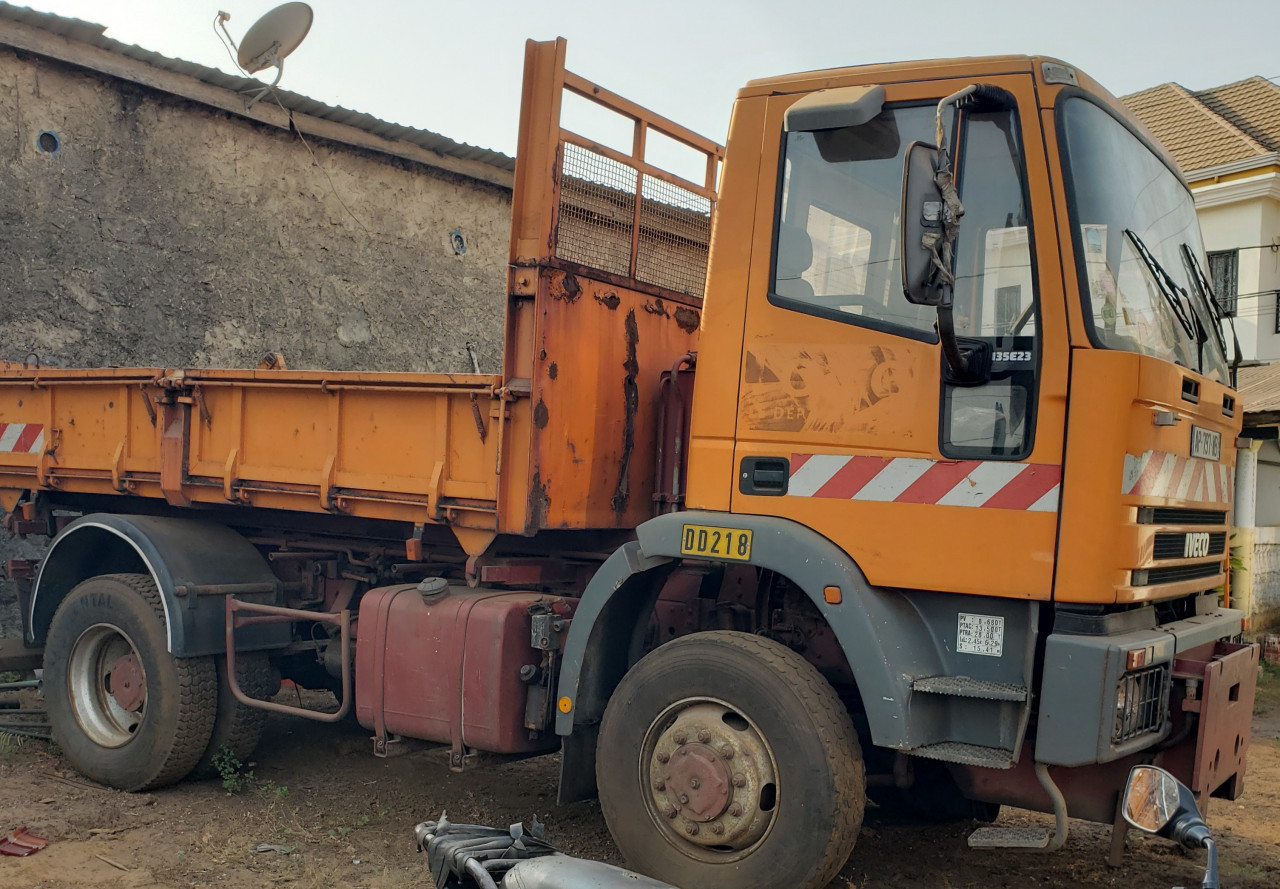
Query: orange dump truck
(924, 497)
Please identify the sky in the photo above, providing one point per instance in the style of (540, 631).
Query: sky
(455, 68)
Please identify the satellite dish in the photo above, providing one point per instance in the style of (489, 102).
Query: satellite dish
(272, 38)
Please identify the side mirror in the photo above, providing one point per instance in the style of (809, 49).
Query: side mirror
(1157, 802)
(923, 212)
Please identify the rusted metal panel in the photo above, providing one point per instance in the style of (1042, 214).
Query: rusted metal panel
(600, 353)
(1226, 674)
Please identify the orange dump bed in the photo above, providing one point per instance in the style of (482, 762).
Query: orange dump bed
(608, 258)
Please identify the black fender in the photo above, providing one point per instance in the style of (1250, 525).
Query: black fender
(179, 555)
(883, 633)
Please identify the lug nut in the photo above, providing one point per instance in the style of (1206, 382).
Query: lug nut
(669, 811)
(659, 784)
(735, 809)
(717, 828)
(684, 799)
(694, 782)
(681, 738)
(726, 753)
(704, 736)
(664, 757)
(739, 779)
(691, 829)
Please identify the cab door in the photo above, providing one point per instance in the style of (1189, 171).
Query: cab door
(847, 419)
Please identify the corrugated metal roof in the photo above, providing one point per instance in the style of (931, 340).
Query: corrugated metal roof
(1209, 128)
(94, 35)
(1259, 388)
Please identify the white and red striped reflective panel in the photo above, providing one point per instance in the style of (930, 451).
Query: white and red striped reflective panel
(988, 484)
(21, 438)
(1160, 474)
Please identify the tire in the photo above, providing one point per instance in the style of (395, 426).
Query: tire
(137, 733)
(236, 727)
(766, 744)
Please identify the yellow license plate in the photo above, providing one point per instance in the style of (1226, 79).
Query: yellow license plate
(720, 543)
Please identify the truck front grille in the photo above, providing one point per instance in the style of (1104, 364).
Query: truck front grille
(1164, 515)
(1175, 574)
(1174, 546)
(1142, 703)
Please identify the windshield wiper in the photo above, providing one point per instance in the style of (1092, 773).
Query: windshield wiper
(1172, 292)
(1215, 308)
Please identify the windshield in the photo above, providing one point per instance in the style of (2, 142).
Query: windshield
(1136, 241)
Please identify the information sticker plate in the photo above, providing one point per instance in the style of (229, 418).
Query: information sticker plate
(980, 634)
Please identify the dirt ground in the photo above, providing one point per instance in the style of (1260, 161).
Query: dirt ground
(338, 818)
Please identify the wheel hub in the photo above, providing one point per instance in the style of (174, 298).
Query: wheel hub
(711, 778)
(697, 781)
(126, 683)
(107, 684)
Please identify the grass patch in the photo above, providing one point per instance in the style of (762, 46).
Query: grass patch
(1268, 694)
(9, 745)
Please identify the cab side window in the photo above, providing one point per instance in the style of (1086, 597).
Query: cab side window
(836, 249)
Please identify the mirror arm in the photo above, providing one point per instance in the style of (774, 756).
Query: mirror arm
(1210, 880)
(947, 337)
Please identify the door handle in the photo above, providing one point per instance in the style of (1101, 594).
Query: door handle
(764, 476)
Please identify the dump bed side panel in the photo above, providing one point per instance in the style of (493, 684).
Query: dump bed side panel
(408, 447)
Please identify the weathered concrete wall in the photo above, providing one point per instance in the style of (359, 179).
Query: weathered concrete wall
(1266, 579)
(163, 232)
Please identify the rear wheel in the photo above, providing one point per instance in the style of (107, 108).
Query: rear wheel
(124, 711)
(725, 761)
(238, 728)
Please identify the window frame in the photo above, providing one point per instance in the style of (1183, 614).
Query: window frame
(1228, 309)
(945, 447)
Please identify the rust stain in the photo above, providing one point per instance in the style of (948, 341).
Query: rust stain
(631, 398)
(610, 300)
(539, 502)
(540, 414)
(687, 319)
(553, 370)
(655, 307)
(567, 289)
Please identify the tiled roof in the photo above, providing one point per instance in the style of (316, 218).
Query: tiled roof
(1212, 127)
(1252, 106)
(1259, 388)
(94, 35)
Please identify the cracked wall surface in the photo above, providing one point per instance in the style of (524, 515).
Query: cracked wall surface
(163, 232)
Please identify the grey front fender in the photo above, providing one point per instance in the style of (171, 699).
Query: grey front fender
(882, 633)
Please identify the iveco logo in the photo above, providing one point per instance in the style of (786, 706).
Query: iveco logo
(1197, 545)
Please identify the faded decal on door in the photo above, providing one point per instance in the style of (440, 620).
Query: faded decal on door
(837, 389)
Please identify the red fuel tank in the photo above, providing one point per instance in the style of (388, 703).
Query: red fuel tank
(446, 667)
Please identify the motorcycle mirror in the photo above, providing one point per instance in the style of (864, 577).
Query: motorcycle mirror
(1156, 802)
(1150, 798)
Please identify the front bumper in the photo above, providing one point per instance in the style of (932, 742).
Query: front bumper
(1112, 688)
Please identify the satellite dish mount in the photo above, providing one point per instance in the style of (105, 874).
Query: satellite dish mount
(270, 40)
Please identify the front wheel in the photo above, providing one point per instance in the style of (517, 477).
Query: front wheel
(726, 761)
(124, 710)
